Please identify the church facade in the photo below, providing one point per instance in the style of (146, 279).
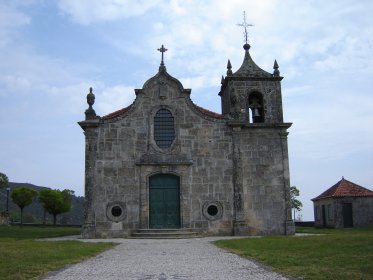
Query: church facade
(165, 163)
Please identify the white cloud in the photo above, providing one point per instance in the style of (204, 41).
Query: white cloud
(331, 127)
(90, 11)
(71, 98)
(199, 82)
(10, 20)
(110, 99)
(14, 83)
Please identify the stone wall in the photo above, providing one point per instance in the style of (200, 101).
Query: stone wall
(239, 169)
(362, 211)
(270, 89)
(264, 180)
(127, 156)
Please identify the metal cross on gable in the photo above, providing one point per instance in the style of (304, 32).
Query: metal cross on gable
(162, 50)
(245, 25)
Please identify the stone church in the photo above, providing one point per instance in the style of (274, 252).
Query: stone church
(166, 163)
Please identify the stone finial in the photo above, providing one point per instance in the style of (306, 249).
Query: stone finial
(222, 79)
(90, 98)
(276, 72)
(229, 67)
(90, 113)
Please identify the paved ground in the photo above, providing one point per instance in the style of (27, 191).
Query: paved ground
(162, 259)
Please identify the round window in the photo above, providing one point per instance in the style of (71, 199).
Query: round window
(212, 210)
(116, 211)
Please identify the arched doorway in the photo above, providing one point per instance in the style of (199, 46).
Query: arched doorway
(164, 201)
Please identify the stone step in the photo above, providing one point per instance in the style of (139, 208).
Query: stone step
(164, 234)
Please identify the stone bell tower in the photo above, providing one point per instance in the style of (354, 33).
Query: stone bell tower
(252, 104)
(250, 94)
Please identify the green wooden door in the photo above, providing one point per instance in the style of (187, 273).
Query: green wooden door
(164, 201)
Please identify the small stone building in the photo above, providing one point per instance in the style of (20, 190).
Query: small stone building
(166, 163)
(344, 205)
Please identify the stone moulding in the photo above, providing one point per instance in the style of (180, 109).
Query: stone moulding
(258, 125)
(164, 159)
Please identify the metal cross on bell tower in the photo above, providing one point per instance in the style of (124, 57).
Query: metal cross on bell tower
(245, 25)
(162, 50)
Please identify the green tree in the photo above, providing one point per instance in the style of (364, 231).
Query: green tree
(295, 203)
(23, 197)
(3, 181)
(56, 202)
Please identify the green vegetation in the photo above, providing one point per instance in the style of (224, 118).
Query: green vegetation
(295, 203)
(28, 232)
(4, 181)
(23, 197)
(335, 254)
(35, 213)
(56, 202)
(23, 257)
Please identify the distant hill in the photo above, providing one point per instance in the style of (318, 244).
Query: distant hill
(34, 213)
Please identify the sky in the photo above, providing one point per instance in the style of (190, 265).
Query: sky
(51, 52)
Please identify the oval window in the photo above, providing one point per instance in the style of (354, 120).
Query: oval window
(164, 128)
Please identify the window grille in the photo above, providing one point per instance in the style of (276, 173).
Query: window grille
(164, 128)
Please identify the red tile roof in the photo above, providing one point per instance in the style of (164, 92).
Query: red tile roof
(209, 113)
(116, 113)
(344, 188)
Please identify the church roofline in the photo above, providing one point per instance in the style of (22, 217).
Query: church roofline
(117, 113)
(249, 71)
(208, 112)
(125, 110)
(249, 68)
(163, 71)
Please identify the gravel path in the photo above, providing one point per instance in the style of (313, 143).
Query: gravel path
(164, 259)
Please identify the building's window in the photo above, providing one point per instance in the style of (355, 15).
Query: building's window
(256, 108)
(212, 210)
(164, 128)
(116, 211)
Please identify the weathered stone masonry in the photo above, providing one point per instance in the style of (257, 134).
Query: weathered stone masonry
(217, 174)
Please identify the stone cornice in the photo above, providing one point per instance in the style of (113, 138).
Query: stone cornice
(235, 123)
(89, 123)
(244, 79)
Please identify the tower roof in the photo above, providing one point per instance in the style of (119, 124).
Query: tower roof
(249, 68)
(344, 188)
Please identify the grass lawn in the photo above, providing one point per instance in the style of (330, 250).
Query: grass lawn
(22, 257)
(337, 254)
